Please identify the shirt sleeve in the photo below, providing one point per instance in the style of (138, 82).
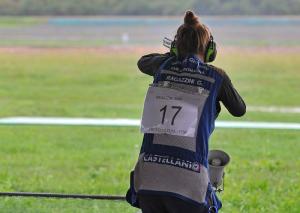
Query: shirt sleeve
(231, 99)
(149, 64)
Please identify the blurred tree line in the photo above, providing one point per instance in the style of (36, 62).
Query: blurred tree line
(149, 7)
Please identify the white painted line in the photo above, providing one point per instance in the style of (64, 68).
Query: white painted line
(136, 122)
(257, 125)
(273, 109)
(70, 121)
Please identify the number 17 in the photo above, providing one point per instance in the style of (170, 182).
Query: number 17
(164, 110)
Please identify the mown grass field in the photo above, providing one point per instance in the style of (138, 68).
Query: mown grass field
(264, 172)
(12, 21)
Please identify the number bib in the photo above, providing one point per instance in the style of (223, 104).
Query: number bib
(170, 111)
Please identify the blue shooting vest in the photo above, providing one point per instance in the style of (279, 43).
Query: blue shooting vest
(176, 165)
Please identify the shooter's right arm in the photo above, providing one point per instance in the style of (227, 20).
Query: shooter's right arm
(149, 64)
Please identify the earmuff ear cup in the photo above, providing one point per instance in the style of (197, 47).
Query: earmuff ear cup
(211, 51)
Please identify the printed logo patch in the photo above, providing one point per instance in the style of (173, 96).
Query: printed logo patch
(168, 160)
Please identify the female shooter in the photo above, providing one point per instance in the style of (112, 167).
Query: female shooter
(180, 109)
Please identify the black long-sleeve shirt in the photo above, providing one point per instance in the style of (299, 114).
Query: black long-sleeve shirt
(227, 94)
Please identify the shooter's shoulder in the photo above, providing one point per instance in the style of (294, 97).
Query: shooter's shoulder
(218, 70)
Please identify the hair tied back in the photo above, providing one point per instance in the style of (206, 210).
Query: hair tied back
(190, 19)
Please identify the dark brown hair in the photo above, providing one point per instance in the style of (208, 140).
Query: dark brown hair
(192, 36)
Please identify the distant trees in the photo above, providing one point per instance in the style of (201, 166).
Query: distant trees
(248, 7)
(149, 7)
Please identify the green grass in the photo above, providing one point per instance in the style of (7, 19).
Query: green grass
(14, 21)
(93, 84)
(264, 171)
(41, 43)
(66, 160)
(262, 175)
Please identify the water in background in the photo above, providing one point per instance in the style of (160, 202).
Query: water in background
(241, 31)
